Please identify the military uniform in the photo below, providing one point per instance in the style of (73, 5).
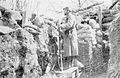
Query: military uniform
(70, 43)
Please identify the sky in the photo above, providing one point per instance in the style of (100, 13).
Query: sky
(49, 7)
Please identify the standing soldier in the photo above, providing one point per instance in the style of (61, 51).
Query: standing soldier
(70, 43)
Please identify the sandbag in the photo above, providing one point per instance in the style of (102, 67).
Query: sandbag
(97, 26)
(108, 19)
(5, 29)
(85, 35)
(99, 33)
(99, 46)
(83, 31)
(1, 23)
(38, 21)
(99, 39)
(15, 14)
(92, 23)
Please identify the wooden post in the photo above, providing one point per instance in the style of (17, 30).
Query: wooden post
(23, 17)
(100, 23)
(100, 17)
(14, 4)
(79, 3)
(61, 62)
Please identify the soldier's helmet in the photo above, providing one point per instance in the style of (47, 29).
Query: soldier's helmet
(66, 10)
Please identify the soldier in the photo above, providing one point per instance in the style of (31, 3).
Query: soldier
(70, 43)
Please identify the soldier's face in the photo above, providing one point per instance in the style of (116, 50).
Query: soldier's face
(66, 12)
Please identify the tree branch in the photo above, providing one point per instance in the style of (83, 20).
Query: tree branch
(114, 4)
(87, 7)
